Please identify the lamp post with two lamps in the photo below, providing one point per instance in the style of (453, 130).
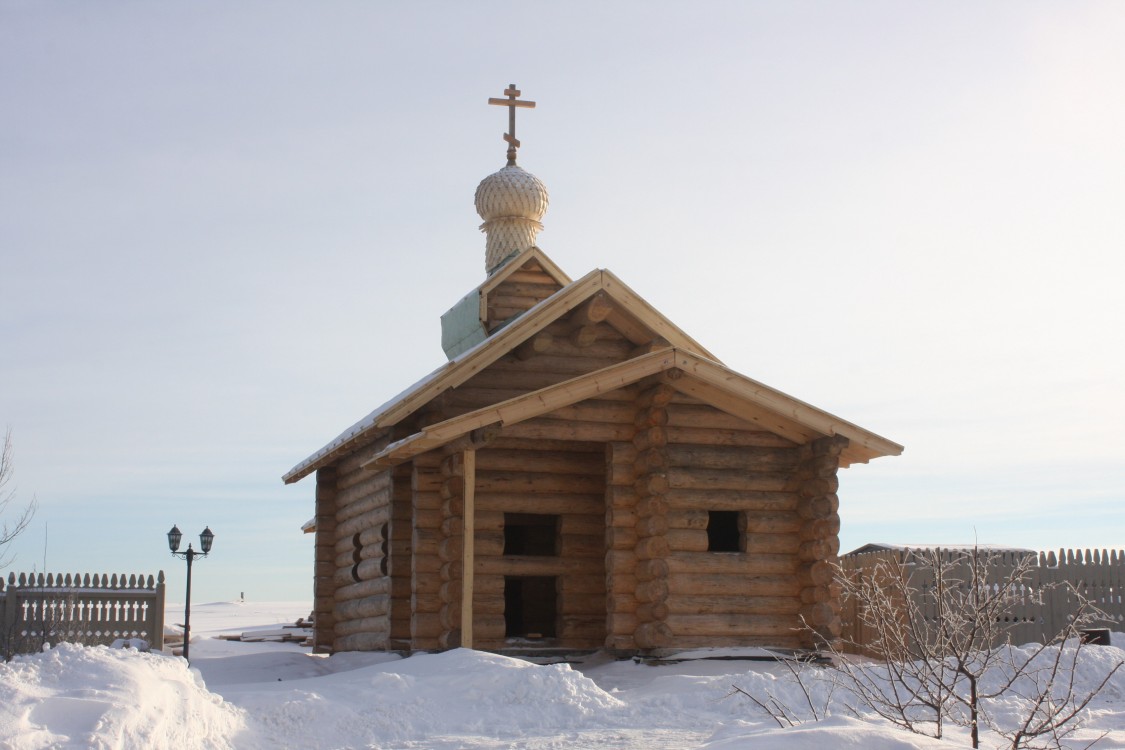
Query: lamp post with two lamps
(205, 540)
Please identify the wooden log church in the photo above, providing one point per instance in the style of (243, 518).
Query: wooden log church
(580, 474)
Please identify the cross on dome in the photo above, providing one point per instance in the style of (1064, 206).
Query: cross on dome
(512, 101)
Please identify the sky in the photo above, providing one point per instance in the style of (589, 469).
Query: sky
(228, 231)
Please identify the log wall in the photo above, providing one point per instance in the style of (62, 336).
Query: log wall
(715, 462)
(361, 585)
(562, 478)
(324, 561)
(818, 506)
(425, 571)
(519, 292)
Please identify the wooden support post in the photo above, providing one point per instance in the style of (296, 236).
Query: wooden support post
(469, 477)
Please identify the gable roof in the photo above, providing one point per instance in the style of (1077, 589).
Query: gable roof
(685, 371)
(632, 315)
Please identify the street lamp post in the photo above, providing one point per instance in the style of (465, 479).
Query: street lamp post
(205, 541)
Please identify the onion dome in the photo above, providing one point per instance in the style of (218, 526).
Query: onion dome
(512, 202)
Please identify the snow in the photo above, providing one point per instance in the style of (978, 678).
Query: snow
(278, 695)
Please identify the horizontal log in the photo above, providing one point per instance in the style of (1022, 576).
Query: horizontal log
(821, 528)
(488, 604)
(539, 461)
(687, 540)
(586, 448)
(653, 591)
(423, 603)
(364, 588)
(620, 562)
(425, 542)
(773, 544)
(363, 497)
(369, 606)
(519, 565)
(621, 586)
(704, 415)
(819, 487)
(590, 524)
(583, 632)
(772, 523)
(622, 623)
(370, 537)
(651, 506)
(425, 629)
(819, 549)
(555, 503)
(488, 585)
(590, 583)
(653, 635)
(428, 518)
(823, 507)
(652, 548)
(736, 458)
(426, 578)
(579, 362)
(348, 559)
(649, 570)
(565, 429)
(363, 521)
(690, 625)
(351, 468)
(621, 539)
(618, 515)
(721, 436)
(681, 518)
(734, 605)
(652, 525)
(731, 562)
(583, 546)
(360, 454)
(369, 625)
(620, 475)
(571, 603)
(366, 641)
(721, 479)
(652, 611)
(711, 499)
(724, 584)
(524, 482)
(527, 284)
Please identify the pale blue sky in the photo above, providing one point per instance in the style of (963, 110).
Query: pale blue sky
(228, 230)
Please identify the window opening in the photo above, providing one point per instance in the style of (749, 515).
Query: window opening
(531, 534)
(723, 534)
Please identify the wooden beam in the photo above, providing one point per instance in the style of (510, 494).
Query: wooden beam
(524, 407)
(468, 530)
(688, 373)
(793, 410)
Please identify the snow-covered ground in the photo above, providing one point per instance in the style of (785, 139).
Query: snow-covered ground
(274, 695)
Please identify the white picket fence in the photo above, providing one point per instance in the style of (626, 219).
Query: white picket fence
(1038, 608)
(36, 609)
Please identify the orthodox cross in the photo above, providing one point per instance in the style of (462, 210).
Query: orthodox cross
(511, 103)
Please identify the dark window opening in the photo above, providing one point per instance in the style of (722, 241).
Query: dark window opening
(531, 534)
(723, 534)
(530, 606)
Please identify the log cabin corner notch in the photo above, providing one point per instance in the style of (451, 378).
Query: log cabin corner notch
(580, 474)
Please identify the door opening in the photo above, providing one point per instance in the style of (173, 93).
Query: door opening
(531, 606)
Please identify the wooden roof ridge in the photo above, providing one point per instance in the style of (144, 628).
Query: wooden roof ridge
(474, 360)
(796, 418)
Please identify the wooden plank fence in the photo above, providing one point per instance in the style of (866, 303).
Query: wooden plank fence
(1038, 608)
(98, 609)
